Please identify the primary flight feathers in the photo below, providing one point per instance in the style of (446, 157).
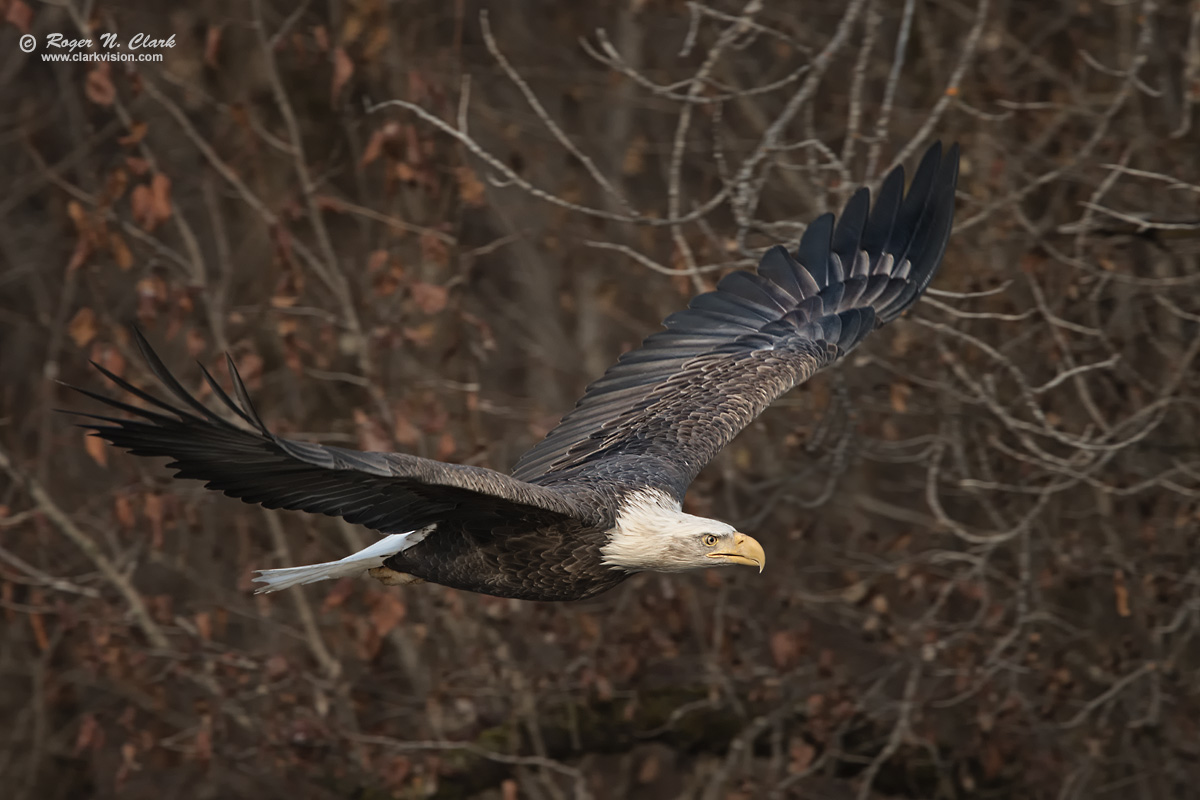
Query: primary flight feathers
(599, 498)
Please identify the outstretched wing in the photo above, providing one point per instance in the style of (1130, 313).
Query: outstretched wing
(691, 388)
(388, 492)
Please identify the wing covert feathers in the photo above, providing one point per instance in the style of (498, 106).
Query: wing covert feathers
(735, 349)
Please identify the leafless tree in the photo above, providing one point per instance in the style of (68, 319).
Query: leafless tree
(426, 226)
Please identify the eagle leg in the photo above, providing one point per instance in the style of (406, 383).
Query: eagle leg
(390, 577)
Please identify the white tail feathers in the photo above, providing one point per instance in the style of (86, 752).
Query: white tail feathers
(350, 566)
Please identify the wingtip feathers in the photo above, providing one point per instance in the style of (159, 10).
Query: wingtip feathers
(902, 235)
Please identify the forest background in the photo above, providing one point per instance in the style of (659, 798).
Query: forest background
(427, 225)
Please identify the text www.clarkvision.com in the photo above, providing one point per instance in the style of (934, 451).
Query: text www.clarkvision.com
(74, 57)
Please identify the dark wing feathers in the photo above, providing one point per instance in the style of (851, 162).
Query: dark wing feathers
(390, 492)
(679, 398)
(777, 267)
(813, 251)
(847, 235)
(690, 388)
(882, 220)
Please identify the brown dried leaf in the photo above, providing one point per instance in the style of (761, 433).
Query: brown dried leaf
(203, 621)
(434, 250)
(250, 367)
(395, 771)
(371, 435)
(129, 764)
(650, 769)
(353, 25)
(286, 327)
(90, 735)
(343, 69)
(196, 343)
(903, 338)
(373, 149)
(19, 15)
(123, 510)
(138, 166)
(405, 173)
(338, 595)
(387, 612)
(487, 338)
(277, 666)
(420, 335)
(99, 87)
(115, 184)
(385, 284)
(377, 41)
(137, 132)
(212, 46)
(160, 189)
(80, 255)
(39, 632)
(376, 261)
(785, 648)
(82, 327)
(634, 161)
(802, 754)
(879, 604)
(899, 394)
(291, 353)
(110, 357)
(446, 446)
(96, 448)
(151, 293)
(470, 188)
(993, 760)
(120, 251)
(152, 509)
(79, 217)
(429, 297)
(404, 432)
(203, 746)
(1122, 594)
(141, 205)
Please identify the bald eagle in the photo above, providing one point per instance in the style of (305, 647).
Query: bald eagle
(600, 498)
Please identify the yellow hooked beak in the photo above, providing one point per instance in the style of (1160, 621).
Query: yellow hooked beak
(746, 550)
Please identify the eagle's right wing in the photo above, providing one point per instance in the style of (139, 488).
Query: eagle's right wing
(385, 491)
(672, 404)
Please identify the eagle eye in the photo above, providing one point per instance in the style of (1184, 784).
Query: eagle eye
(709, 540)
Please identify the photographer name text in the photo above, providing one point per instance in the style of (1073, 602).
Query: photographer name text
(138, 41)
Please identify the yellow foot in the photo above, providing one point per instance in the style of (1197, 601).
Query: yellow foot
(389, 577)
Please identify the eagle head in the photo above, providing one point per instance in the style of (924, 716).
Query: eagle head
(652, 534)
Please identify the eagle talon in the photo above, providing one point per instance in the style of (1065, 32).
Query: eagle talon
(390, 577)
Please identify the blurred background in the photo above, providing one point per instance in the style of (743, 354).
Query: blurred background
(425, 227)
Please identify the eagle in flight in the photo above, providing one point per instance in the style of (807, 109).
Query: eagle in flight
(600, 497)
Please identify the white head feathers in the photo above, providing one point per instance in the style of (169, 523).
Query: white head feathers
(651, 533)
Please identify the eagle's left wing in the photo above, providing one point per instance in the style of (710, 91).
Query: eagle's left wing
(388, 492)
(688, 390)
